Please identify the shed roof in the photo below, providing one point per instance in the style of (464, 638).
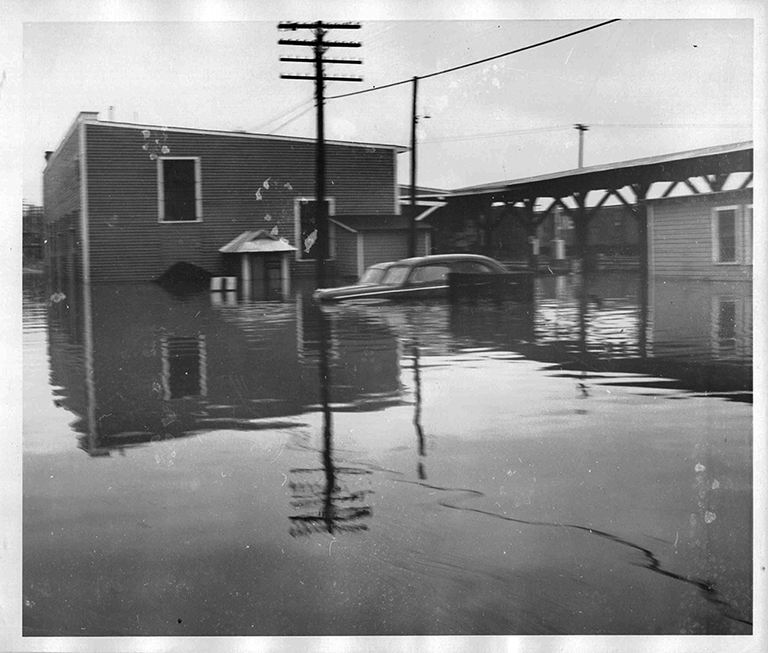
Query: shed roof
(260, 241)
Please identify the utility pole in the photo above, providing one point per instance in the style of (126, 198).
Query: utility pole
(581, 129)
(412, 222)
(320, 45)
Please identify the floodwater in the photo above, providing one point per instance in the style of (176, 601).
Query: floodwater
(203, 465)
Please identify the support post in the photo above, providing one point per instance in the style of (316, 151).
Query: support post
(640, 211)
(285, 273)
(531, 232)
(245, 273)
(581, 226)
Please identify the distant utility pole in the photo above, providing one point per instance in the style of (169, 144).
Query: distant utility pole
(320, 29)
(412, 221)
(581, 129)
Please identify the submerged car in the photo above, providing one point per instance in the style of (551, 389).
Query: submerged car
(374, 274)
(417, 278)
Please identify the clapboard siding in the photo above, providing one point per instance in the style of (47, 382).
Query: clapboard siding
(681, 237)
(61, 212)
(247, 183)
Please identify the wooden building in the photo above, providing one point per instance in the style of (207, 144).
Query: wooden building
(702, 236)
(362, 241)
(124, 202)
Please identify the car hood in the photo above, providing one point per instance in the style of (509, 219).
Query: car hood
(349, 292)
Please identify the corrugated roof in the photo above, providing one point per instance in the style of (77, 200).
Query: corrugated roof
(260, 241)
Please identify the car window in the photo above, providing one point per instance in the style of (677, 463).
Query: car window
(373, 274)
(395, 275)
(429, 274)
(471, 267)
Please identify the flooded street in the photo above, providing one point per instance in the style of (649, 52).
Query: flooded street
(203, 465)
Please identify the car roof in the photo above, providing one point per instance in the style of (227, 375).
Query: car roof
(448, 258)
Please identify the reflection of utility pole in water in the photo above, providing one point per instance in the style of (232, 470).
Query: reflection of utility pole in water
(326, 505)
(583, 307)
(417, 415)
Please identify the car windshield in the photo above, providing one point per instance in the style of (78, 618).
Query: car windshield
(396, 275)
(373, 274)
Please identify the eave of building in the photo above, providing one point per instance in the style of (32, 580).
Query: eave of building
(241, 134)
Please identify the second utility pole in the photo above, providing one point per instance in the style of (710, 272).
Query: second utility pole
(581, 129)
(412, 221)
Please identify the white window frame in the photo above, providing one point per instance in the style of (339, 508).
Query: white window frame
(297, 227)
(161, 190)
(716, 234)
(202, 353)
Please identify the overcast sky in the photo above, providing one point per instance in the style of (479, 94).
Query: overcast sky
(643, 86)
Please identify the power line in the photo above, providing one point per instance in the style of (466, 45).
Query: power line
(471, 137)
(296, 117)
(672, 125)
(283, 114)
(478, 62)
(553, 128)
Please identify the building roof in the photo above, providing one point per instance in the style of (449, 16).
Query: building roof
(734, 157)
(357, 223)
(260, 241)
(405, 190)
(91, 118)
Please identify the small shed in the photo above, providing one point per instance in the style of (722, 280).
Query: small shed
(259, 258)
(364, 240)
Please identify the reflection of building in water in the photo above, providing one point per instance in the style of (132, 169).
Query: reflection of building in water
(184, 367)
(697, 333)
(140, 363)
(700, 319)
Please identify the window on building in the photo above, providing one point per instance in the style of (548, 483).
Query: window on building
(180, 190)
(724, 232)
(748, 214)
(306, 228)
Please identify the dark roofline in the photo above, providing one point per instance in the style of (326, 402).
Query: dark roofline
(405, 190)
